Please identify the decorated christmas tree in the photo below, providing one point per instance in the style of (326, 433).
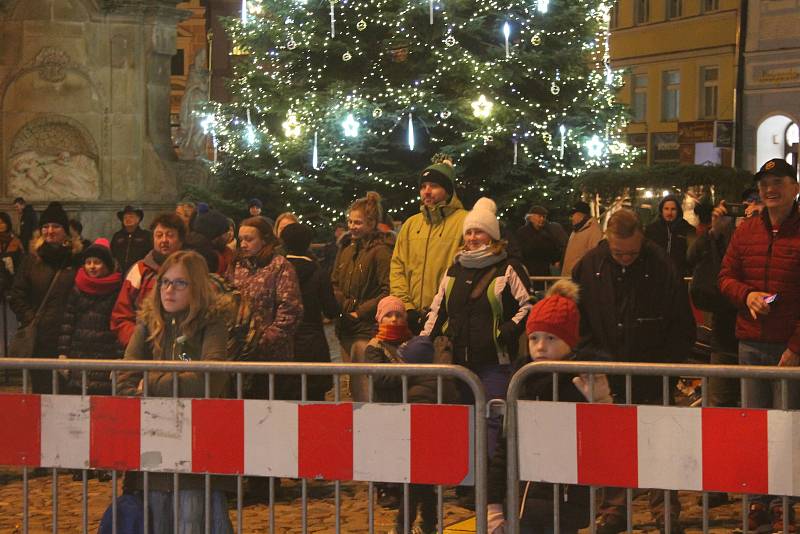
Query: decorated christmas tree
(334, 98)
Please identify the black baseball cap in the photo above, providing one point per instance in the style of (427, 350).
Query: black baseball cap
(581, 207)
(776, 167)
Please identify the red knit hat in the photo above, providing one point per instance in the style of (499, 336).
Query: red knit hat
(557, 313)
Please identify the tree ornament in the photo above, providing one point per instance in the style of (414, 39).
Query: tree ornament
(333, 18)
(450, 41)
(548, 139)
(291, 45)
(543, 5)
(444, 114)
(350, 126)
(482, 107)
(410, 133)
(536, 40)
(244, 11)
(362, 25)
(377, 112)
(430, 4)
(315, 154)
(250, 131)
(347, 56)
(554, 87)
(515, 148)
(399, 52)
(563, 131)
(291, 126)
(507, 33)
(595, 147)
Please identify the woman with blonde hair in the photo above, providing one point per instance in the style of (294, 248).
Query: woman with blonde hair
(283, 220)
(182, 320)
(360, 280)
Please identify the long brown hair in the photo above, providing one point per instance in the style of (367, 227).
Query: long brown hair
(267, 235)
(201, 298)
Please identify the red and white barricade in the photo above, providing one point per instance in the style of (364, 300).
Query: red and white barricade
(415, 443)
(703, 449)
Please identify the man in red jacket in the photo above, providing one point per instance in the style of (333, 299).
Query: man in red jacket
(760, 275)
(169, 233)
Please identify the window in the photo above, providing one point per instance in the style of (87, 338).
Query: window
(639, 98)
(176, 68)
(674, 8)
(709, 92)
(670, 95)
(791, 139)
(709, 5)
(613, 21)
(641, 11)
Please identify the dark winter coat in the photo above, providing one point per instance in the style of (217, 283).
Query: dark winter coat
(360, 280)
(31, 284)
(485, 329)
(128, 248)
(310, 343)
(28, 223)
(539, 505)
(10, 247)
(759, 259)
(540, 249)
(638, 313)
(674, 237)
(85, 334)
(421, 389)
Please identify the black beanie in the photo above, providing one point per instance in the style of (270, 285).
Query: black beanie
(54, 214)
(211, 224)
(101, 250)
(296, 238)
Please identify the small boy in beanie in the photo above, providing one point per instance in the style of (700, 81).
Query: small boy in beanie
(552, 330)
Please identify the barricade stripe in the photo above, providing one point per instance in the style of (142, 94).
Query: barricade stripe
(325, 441)
(441, 444)
(166, 437)
(65, 431)
(670, 447)
(218, 436)
(735, 450)
(548, 442)
(381, 442)
(783, 429)
(20, 430)
(115, 438)
(607, 445)
(270, 438)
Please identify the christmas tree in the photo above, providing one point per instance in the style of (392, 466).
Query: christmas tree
(335, 98)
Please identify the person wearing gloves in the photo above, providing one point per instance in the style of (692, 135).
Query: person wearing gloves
(552, 329)
(481, 305)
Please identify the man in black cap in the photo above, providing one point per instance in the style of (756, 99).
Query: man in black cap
(586, 234)
(255, 206)
(538, 244)
(759, 276)
(213, 228)
(131, 243)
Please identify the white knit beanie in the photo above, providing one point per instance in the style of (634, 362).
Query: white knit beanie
(484, 217)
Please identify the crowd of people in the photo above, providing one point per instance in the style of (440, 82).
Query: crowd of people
(451, 286)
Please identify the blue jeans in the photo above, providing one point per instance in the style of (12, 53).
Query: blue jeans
(764, 393)
(191, 505)
(495, 380)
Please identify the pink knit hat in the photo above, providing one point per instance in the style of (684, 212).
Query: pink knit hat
(388, 304)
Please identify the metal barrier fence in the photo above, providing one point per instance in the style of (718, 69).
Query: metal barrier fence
(663, 447)
(61, 431)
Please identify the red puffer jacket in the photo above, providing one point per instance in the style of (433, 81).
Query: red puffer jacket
(759, 260)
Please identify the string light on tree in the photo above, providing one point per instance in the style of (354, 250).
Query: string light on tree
(482, 107)
(350, 126)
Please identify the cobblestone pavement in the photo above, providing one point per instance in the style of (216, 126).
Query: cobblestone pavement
(321, 511)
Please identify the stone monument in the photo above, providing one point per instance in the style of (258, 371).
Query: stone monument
(84, 106)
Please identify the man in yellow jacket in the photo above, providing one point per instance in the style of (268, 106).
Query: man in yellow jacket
(427, 243)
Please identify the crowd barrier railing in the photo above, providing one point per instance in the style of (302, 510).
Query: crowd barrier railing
(434, 444)
(663, 447)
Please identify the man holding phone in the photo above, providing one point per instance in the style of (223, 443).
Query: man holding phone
(760, 274)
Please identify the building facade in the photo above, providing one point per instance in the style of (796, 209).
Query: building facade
(680, 64)
(771, 98)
